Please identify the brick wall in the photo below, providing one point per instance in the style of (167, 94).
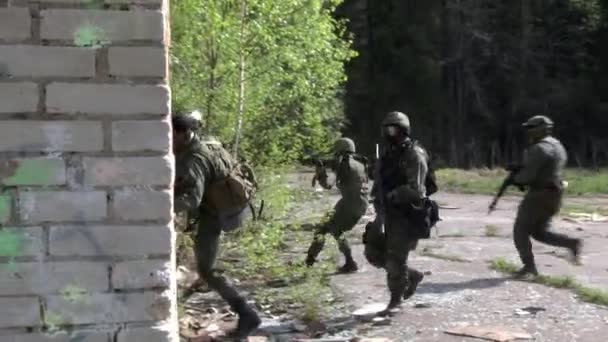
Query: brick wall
(86, 244)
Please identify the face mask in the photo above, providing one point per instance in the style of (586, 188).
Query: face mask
(391, 131)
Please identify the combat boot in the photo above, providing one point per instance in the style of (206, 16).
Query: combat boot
(526, 271)
(349, 267)
(310, 261)
(393, 306)
(414, 278)
(249, 321)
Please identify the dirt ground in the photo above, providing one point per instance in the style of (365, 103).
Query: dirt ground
(460, 289)
(467, 292)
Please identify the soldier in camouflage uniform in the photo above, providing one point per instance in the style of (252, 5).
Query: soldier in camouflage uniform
(197, 166)
(351, 180)
(399, 183)
(541, 173)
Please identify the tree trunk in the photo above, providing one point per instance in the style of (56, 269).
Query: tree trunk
(241, 95)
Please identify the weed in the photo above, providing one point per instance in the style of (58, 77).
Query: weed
(491, 231)
(585, 293)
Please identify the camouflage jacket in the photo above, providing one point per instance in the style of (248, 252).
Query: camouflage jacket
(544, 162)
(351, 180)
(195, 168)
(400, 175)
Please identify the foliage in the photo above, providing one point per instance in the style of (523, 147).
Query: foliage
(487, 181)
(470, 71)
(293, 55)
(585, 293)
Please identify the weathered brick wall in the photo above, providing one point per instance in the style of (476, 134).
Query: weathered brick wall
(86, 245)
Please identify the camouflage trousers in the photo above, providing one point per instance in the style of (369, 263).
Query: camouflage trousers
(206, 250)
(398, 247)
(534, 220)
(344, 219)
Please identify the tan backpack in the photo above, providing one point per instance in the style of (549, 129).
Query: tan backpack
(232, 192)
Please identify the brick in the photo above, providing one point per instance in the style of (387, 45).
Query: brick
(33, 171)
(137, 61)
(101, 2)
(56, 277)
(142, 2)
(109, 26)
(15, 24)
(61, 206)
(21, 242)
(19, 312)
(51, 136)
(5, 208)
(74, 336)
(141, 274)
(75, 98)
(130, 205)
(102, 308)
(128, 171)
(47, 61)
(129, 136)
(152, 334)
(110, 240)
(18, 97)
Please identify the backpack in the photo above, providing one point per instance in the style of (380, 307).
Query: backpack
(426, 215)
(430, 182)
(233, 191)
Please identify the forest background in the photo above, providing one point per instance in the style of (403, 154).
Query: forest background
(278, 81)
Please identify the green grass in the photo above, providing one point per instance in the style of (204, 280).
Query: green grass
(585, 293)
(585, 209)
(487, 181)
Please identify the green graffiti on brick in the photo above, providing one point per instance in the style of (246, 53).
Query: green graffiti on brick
(11, 245)
(30, 172)
(89, 35)
(5, 208)
(53, 321)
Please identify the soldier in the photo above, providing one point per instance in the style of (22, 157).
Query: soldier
(541, 173)
(399, 183)
(351, 180)
(197, 166)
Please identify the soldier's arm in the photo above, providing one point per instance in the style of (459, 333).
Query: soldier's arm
(532, 163)
(413, 190)
(191, 187)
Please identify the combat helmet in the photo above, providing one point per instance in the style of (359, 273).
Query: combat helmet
(398, 119)
(344, 145)
(539, 123)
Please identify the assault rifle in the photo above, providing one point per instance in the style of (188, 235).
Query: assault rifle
(509, 181)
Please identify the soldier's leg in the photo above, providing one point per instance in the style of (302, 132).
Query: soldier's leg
(396, 261)
(551, 205)
(207, 247)
(345, 219)
(524, 225)
(414, 277)
(317, 244)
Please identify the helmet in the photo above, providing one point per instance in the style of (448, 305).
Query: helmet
(344, 145)
(539, 123)
(398, 119)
